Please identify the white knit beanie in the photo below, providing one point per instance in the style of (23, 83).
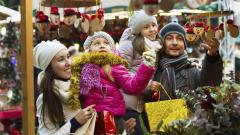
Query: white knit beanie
(44, 52)
(139, 19)
(99, 34)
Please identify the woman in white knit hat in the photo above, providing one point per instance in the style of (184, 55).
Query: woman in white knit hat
(138, 38)
(55, 117)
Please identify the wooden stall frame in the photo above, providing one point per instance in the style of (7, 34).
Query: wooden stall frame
(210, 14)
(27, 67)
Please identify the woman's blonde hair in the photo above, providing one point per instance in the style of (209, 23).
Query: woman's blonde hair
(108, 70)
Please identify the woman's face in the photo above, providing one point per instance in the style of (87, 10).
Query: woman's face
(61, 64)
(100, 45)
(150, 31)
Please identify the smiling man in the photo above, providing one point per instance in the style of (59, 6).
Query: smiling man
(176, 72)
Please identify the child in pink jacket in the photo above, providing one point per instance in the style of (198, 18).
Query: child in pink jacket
(103, 73)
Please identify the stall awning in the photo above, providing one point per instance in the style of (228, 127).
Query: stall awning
(7, 14)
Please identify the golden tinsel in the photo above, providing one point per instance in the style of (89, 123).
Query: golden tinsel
(78, 62)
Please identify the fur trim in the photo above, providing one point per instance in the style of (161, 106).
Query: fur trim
(100, 59)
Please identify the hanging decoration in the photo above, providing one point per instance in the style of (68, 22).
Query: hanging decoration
(204, 29)
(42, 23)
(97, 21)
(151, 7)
(69, 17)
(135, 5)
(198, 28)
(85, 23)
(190, 35)
(54, 16)
(232, 28)
(217, 31)
(78, 20)
(73, 23)
(66, 27)
(219, 34)
(53, 32)
(210, 30)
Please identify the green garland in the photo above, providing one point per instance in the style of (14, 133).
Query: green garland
(78, 62)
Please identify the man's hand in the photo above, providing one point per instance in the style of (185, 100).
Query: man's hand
(211, 45)
(155, 86)
(130, 125)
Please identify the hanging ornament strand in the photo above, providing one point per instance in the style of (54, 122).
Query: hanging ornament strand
(85, 6)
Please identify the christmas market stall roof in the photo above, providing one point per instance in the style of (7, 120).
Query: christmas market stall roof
(174, 12)
(10, 15)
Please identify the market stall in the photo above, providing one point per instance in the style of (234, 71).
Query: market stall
(227, 90)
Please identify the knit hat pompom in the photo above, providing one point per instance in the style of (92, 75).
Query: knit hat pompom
(173, 28)
(139, 19)
(99, 34)
(44, 52)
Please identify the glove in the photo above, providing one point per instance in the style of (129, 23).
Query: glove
(149, 58)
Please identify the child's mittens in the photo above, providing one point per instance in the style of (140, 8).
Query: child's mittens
(149, 58)
(152, 45)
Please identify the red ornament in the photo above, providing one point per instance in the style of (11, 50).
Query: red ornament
(42, 18)
(54, 10)
(208, 103)
(151, 7)
(85, 16)
(151, 1)
(229, 21)
(219, 34)
(198, 24)
(100, 11)
(198, 28)
(39, 13)
(79, 15)
(221, 26)
(69, 12)
(190, 35)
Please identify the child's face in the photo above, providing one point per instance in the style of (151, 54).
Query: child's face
(150, 31)
(100, 45)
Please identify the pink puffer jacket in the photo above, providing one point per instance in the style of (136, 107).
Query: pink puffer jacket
(109, 97)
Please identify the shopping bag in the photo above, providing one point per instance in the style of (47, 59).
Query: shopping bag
(162, 113)
(89, 127)
(105, 124)
(165, 112)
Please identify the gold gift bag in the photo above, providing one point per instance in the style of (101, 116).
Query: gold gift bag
(163, 113)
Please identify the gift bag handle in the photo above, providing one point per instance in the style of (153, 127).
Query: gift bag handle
(165, 91)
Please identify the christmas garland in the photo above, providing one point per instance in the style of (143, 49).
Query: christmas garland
(77, 65)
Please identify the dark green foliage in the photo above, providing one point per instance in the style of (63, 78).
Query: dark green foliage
(11, 39)
(222, 119)
(9, 72)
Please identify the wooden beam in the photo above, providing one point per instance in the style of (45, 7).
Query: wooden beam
(210, 14)
(27, 67)
(70, 3)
